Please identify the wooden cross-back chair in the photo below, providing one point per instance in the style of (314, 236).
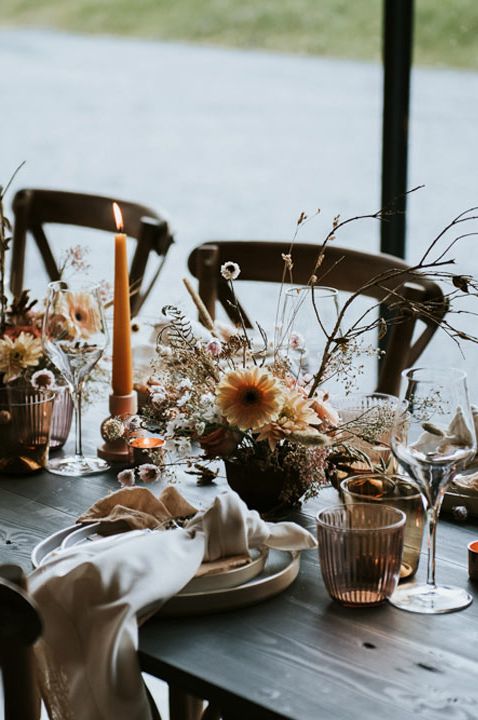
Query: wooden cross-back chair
(35, 208)
(20, 628)
(342, 268)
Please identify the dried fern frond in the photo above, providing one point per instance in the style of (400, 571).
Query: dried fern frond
(179, 330)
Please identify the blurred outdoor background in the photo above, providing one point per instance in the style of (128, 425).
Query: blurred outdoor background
(445, 31)
(233, 117)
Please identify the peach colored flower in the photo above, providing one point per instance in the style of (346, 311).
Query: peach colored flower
(83, 313)
(325, 411)
(18, 354)
(220, 442)
(61, 327)
(15, 330)
(296, 415)
(249, 398)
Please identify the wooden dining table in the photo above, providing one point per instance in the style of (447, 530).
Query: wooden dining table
(298, 656)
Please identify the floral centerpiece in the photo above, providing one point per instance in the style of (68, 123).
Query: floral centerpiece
(245, 400)
(221, 395)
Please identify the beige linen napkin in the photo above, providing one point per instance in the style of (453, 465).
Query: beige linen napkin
(442, 440)
(90, 595)
(139, 508)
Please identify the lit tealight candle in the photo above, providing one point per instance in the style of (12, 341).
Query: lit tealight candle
(122, 354)
(146, 443)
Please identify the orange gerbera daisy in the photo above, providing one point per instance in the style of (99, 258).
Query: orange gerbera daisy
(249, 398)
(83, 313)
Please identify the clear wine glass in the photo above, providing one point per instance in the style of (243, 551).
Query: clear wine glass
(309, 315)
(74, 337)
(432, 441)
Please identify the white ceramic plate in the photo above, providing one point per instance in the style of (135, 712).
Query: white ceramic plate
(76, 535)
(280, 571)
(229, 578)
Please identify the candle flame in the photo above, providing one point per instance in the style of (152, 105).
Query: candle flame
(146, 442)
(118, 217)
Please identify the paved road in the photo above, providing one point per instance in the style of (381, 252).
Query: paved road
(230, 143)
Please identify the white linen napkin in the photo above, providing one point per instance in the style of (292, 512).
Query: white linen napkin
(442, 440)
(89, 597)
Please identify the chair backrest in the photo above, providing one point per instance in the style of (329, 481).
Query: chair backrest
(20, 627)
(34, 208)
(346, 270)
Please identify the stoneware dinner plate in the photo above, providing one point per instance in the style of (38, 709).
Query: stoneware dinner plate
(49, 544)
(71, 535)
(280, 571)
(76, 535)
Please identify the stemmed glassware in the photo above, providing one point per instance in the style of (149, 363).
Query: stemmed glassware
(74, 337)
(309, 314)
(432, 441)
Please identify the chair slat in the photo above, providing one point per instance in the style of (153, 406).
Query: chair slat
(342, 268)
(33, 209)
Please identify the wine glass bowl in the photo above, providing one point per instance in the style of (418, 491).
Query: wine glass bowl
(309, 315)
(432, 441)
(74, 336)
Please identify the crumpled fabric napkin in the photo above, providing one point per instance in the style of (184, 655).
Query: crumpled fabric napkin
(443, 440)
(89, 597)
(139, 508)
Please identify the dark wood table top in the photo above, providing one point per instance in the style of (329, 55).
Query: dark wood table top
(298, 656)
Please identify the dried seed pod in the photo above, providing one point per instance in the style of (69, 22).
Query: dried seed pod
(459, 513)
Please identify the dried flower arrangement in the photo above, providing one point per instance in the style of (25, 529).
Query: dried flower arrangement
(243, 400)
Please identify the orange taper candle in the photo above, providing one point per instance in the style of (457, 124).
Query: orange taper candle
(122, 355)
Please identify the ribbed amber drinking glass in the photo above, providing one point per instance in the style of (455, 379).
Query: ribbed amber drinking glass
(25, 423)
(360, 549)
(398, 492)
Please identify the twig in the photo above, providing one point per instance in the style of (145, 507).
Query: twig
(201, 308)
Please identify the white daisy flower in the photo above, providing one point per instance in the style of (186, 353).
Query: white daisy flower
(148, 473)
(230, 270)
(214, 347)
(126, 478)
(43, 380)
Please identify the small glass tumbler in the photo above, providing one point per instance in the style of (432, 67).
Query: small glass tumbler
(25, 424)
(398, 492)
(360, 550)
(61, 418)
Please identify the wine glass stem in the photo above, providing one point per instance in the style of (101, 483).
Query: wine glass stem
(77, 395)
(432, 518)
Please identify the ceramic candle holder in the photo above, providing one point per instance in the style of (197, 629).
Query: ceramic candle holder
(473, 560)
(119, 451)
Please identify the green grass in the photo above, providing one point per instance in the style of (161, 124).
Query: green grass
(446, 30)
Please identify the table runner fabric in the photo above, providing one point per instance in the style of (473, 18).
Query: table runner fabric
(89, 597)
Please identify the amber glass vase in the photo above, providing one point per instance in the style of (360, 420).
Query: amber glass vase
(25, 425)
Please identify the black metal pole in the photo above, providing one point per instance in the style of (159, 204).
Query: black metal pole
(397, 60)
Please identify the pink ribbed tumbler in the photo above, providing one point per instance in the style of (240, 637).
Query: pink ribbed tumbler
(360, 549)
